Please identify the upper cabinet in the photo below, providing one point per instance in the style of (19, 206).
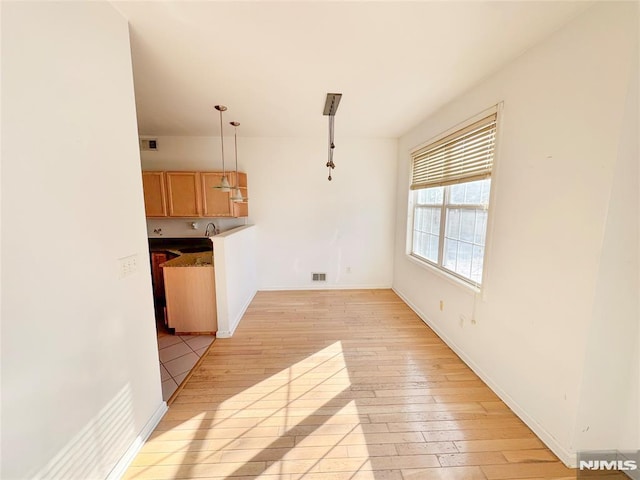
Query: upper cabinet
(183, 194)
(241, 209)
(155, 194)
(192, 194)
(216, 203)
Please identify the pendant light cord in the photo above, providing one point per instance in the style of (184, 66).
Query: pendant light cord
(222, 144)
(237, 194)
(330, 163)
(235, 140)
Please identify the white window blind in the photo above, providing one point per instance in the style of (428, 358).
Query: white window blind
(463, 156)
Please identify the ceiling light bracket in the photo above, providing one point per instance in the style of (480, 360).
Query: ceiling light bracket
(331, 104)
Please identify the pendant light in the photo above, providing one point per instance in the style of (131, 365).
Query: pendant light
(224, 181)
(330, 108)
(237, 193)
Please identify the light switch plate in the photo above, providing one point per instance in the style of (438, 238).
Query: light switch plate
(127, 265)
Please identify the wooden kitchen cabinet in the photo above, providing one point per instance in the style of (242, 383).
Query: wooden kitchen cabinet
(183, 194)
(216, 203)
(192, 194)
(155, 194)
(241, 209)
(191, 299)
(157, 281)
(157, 277)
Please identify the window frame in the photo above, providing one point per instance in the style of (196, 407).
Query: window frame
(449, 275)
(444, 207)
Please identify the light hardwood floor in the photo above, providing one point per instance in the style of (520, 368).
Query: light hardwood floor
(334, 385)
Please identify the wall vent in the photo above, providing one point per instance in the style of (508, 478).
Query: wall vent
(319, 277)
(148, 144)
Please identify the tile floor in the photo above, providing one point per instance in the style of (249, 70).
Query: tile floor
(178, 355)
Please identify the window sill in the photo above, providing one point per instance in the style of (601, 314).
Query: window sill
(452, 279)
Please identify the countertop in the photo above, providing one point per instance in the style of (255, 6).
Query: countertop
(200, 259)
(180, 244)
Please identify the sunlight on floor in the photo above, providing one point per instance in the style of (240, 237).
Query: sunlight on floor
(302, 401)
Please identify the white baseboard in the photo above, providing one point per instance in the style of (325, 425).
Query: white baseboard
(124, 462)
(324, 287)
(236, 321)
(632, 474)
(567, 457)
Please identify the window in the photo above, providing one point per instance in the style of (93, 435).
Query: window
(450, 186)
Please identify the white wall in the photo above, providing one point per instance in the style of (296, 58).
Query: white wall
(609, 402)
(304, 222)
(564, 104)
(234, 257)
(182, 227)
(80, 377)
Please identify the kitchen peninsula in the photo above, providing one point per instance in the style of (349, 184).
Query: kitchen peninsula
(190, 293)
(222, 266)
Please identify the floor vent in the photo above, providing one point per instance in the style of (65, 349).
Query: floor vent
(319, 277)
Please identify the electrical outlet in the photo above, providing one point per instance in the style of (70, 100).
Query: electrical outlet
(348, 269)
(127, 265)
(441, 305)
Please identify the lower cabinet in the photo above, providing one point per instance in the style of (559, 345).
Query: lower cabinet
(191, 299)
(157, 279)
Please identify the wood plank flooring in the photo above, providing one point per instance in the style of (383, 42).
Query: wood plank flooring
(338, 385)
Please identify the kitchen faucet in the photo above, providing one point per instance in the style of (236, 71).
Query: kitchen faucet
(213, 231)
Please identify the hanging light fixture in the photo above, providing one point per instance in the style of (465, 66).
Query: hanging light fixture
(330, 108)
(224, 181)
(237, 193)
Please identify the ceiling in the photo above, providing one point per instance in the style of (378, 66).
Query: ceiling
(272, 63)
